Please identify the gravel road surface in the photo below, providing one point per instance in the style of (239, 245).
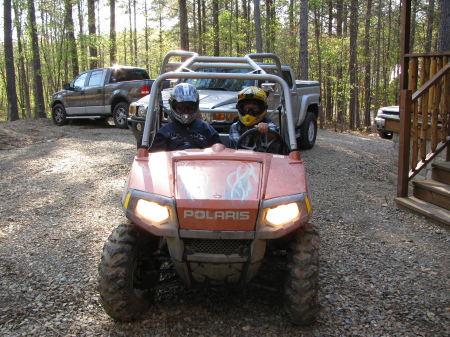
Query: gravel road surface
(384, 271)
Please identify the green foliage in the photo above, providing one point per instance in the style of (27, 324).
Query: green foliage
(157, 32)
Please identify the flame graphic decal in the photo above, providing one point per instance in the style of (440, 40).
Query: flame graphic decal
(240, 184)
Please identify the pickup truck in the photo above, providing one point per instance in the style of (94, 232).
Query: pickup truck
(218, 97)
(391, 112)
(100, 94)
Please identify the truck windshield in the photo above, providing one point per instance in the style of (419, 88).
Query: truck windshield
(219, 84)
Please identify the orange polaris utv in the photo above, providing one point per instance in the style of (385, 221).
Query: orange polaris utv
(212, 217)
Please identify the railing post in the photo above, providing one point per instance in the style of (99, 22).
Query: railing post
(404, 142)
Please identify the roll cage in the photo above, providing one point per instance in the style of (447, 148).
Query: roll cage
(258, 71)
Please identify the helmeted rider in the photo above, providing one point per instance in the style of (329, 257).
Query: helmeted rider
(252, 111)
(185, 130)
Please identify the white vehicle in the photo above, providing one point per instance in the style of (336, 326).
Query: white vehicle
(218, 96)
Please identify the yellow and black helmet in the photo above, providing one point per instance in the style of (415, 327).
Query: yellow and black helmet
(251, 115)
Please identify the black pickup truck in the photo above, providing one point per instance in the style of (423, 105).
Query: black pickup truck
(100, 94)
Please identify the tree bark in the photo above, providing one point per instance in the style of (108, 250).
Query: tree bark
(303, 57)
(13, 109)
(367, 65)
(430, 24)
(39, 105)
(340, 87)
(184, 33)
(71, 41)
(354, 120)
(258, 34)
(317, 33)
(93, 53)
(24, 89)
(112, 32)
(444, 26)
(215, 8)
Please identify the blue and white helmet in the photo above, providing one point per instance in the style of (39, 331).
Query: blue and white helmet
(184, 92)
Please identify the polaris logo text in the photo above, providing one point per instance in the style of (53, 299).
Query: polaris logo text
(210, 215)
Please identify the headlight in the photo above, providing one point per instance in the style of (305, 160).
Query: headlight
(142, 111)
(283, 213)
(152, 211)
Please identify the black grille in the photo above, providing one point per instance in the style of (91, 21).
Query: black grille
(212, 246)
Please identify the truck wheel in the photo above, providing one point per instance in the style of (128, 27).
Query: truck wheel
(127, 273)
(120, 115)
(301, 280)
(385, 135)
(59, 115)
(308, 132)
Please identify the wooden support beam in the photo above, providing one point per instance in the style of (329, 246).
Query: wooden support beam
(404, 143)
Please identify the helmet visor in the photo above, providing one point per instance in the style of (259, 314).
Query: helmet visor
(185, 107)
(252, 108)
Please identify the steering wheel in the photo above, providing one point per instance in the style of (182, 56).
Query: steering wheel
(277, 145)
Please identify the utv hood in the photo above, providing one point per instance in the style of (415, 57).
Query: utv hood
(217, 194)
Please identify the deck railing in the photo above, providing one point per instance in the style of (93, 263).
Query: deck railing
(424, 115)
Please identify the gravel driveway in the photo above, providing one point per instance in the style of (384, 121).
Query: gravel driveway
(384, 271)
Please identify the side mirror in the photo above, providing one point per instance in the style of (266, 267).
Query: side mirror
(268, 88)
(66, 86)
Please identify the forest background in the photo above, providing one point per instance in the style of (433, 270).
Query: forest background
(352, 47)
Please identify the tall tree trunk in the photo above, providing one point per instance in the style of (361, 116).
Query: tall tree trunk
(112, 32)
(39, 105)
(200, 27)
(258, 34)
(378, 54)
(367, 64)
(328, 67)
(83, 60)
(413, 24)
(135, 40)
(340, 85)
(444, 26)
(146, 37)
(353, 109)
(71, 42)
(303, 56)
(93, 52)
(215, 8)
(184, 33)
(24, 88)
(13, 109)
(430, 24)
(269, 21)
(130, 26)
(317, 34)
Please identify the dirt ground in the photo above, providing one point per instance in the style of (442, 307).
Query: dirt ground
(383, 271)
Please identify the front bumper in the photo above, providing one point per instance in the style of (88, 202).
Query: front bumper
(216, 257)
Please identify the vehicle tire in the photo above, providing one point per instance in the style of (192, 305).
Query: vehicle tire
(385, 135)
(127, 273)
(59, 115)
(120, 115)
(301, 302)
(308, 132)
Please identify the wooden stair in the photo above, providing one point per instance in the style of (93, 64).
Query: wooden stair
(431, 197)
